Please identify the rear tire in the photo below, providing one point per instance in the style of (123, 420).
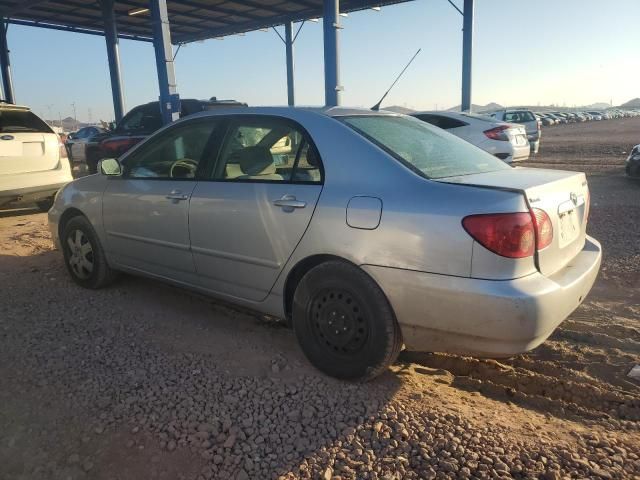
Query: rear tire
(344, 323)
(84, 256)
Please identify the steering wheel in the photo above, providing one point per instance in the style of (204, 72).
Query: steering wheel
(189, 165)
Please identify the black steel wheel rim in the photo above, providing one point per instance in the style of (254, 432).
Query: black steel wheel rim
(338, 321)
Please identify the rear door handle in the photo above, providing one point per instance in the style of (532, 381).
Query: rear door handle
(177, 195)
(289, 202)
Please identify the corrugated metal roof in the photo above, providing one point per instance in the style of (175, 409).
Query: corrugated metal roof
(190, 20)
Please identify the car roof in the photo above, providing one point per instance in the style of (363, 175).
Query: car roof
(292, 112)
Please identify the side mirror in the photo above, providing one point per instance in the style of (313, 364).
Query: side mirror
(110, 166)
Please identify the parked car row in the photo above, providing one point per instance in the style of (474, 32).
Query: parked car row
(556, 118)
(91, 144)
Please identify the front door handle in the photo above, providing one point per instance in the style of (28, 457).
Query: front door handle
(177, 195)
(289, 202)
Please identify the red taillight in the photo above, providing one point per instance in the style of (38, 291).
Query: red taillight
(543, 227)
(497, 133)
(513, 235)
(507, 234)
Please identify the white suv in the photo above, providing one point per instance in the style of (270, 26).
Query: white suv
(33, 160)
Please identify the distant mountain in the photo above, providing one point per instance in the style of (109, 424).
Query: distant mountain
(489, 107)
(635, 103)
(597, 106)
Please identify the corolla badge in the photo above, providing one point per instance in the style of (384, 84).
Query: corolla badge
(7, 137)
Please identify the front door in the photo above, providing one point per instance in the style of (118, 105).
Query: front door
(248, 216)
(146, 211)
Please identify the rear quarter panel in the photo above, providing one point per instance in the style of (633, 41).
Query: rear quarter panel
(420, 226)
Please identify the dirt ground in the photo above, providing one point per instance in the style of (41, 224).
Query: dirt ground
(143, 380)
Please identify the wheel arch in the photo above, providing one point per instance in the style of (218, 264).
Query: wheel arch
(300, 269)
(67, 215)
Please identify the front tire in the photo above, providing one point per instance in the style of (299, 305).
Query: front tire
(344, 323)
(84, 256)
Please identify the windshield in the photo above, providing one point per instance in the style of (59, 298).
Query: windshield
(425, 149)
(15, 121)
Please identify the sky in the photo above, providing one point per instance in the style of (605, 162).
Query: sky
(563, 52)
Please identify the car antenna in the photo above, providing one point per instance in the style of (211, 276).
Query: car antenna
(376, 107)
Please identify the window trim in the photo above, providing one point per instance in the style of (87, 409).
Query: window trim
(232, 121)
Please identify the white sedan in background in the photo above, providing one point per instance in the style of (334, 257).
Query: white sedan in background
(507, 141)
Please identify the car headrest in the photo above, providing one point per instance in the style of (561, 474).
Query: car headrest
(256, 161)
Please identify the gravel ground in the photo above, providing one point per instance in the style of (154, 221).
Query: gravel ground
(142, 380)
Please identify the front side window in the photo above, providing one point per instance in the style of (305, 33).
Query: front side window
(426, 150)
(176, 154)
(266, 149)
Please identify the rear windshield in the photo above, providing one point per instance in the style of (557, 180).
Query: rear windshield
(14, 121)
(425, 149)
(477, 116)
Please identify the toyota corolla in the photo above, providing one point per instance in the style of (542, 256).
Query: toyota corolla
(365, 230)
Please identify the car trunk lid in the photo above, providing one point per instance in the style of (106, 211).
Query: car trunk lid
(563, 195)
(25, 152)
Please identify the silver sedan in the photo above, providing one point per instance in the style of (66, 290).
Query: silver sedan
(365, 230)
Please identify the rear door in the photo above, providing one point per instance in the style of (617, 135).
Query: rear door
(27, 144)
(246, 219)
(146, 211)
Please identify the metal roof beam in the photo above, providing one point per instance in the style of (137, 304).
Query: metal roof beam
(65, 28)
(19, 6)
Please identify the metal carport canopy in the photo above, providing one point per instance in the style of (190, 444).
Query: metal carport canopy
(191, 20)
(167, 22)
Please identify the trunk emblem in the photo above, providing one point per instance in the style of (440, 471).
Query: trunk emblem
(574, 198)
(7, 137)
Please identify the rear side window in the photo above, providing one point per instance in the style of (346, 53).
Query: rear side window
(428, 151)
(267, 149)
(519, 117)
(15, 121)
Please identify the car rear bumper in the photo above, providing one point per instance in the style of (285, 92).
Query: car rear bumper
(17, 196)
(486, 317)
(33, 186)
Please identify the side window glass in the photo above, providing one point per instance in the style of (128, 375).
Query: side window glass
(308, 166)
(262, 150)
(133, 120)
(176, 154)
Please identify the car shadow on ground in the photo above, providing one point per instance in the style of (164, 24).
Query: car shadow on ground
(15, 212)
(184, 372)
